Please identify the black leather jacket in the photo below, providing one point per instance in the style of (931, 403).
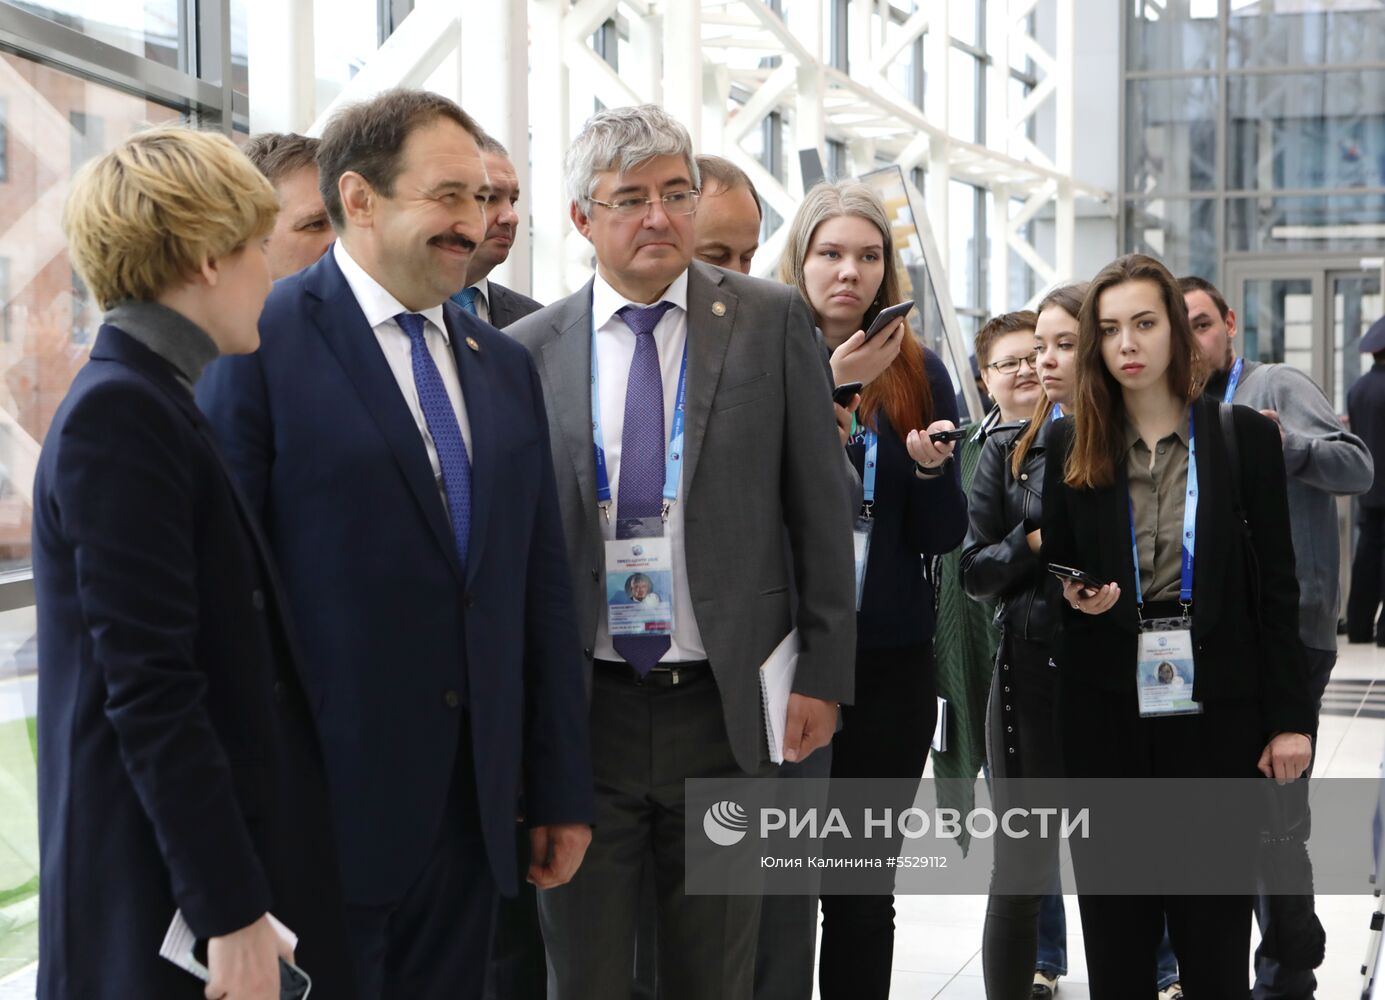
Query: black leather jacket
(997, 563)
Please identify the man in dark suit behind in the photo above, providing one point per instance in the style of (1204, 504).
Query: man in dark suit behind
(485, 299)
(760, 495)
(178, 764)
(397, 451)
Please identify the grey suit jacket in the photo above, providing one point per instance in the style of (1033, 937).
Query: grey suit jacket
(507, 306)
(761, 455)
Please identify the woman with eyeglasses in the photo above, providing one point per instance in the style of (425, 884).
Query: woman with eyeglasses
(840, 254)
(1000, 562)
(1139, 493)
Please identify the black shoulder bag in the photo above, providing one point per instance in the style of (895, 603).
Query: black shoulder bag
(1293, 935)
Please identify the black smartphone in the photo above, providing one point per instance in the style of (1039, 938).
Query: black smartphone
(843, 393)
(294, 983)
(943, 437)
(1077, 575)
(888, 316)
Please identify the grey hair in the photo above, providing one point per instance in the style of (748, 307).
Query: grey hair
(620, 139)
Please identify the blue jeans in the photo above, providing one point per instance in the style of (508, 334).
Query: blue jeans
(1167, 972)
(1053, 936)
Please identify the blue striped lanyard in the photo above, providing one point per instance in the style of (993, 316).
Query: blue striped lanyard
(1233, 380)
(1185, 584)
(673, 461)
(872, 443)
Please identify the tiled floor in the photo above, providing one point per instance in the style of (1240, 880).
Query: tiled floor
(938, 941)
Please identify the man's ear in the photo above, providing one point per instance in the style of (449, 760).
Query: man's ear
(1231, 322)
(209, 273)
(357, 199)
(580, 221)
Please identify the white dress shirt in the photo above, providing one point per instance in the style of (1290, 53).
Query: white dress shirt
(380, 308)
(615, 349)
(482, 302)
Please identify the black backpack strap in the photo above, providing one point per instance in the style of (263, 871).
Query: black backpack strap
(1233, 463)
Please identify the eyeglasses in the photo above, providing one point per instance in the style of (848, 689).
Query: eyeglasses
(1008, 366)
(675, 203)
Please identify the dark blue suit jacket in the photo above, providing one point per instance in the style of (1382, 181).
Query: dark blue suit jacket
(399, 638)
(178, 766)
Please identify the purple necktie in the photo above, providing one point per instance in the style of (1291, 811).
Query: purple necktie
(642, 445)
(444, 429)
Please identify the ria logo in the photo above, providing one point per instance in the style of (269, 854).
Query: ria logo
(725, 824)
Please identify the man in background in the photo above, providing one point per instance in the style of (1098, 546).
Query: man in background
(727, 229)
(1366, 408)
(489, 300)
(302, 232)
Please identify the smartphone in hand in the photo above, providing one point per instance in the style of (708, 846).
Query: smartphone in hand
(1076, 575)
(843, 393)
(887, 316)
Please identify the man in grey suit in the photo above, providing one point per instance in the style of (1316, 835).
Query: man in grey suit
(757, 492)
(489, 300)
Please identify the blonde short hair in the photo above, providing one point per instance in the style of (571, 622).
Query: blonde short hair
(145, 217)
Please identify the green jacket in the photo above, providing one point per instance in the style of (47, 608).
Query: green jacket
(964, 649)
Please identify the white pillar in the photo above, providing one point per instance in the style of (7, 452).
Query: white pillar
(999, 236)
(279, 37)
(683, 65)
(494, 72)
(548, 110)
(1065, 209)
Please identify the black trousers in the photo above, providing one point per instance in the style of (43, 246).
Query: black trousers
(435, 942)
(1367, 578)
(885, 734)
(1022, 736)
(1102, 736)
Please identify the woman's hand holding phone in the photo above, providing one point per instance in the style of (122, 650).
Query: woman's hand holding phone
(1093, 602)
(927, 452)
(859, 360)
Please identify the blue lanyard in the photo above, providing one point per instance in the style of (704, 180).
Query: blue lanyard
(673, 462)
(1057, 412)
(1233, 380)
(872, 443)
(1185, 584)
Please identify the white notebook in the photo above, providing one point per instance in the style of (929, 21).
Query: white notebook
(776, 684)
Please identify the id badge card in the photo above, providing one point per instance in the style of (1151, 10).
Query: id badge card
(861, 538)
(1164, 670)
(639, 586)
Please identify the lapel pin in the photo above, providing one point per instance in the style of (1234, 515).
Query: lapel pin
(718, 308)
(471, 342)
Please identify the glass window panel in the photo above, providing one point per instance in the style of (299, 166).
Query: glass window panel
(1306, 224)
(1179, 231)
(1356, 304)
(1172, 34)
(345, 34)
(18, 792)
(1306, 130)
(1279, 33)
(240, 47)
(962, 17)
(961, 95)
(55, 123)
(961, 229)
(1275, 321)
(148, 28)
(1171, 135)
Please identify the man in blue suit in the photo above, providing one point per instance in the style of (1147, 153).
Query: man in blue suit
(397, 450)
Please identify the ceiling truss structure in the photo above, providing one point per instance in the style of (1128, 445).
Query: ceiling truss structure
(723, 67)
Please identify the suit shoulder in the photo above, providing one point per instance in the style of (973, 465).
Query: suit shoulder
(755, 288)
(518, 300)
(538, 328)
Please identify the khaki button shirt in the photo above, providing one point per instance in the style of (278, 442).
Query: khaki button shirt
(1158, 494)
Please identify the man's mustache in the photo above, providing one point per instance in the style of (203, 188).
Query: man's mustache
(452, 239)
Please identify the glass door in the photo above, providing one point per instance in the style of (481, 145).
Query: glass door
(1354, 303)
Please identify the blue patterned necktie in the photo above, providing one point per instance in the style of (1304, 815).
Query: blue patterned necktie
(444, 429)
(642, 445)
(466, 298)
